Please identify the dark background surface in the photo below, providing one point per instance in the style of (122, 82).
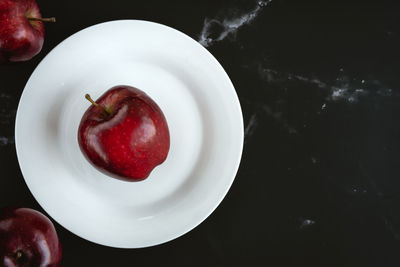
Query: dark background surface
(318, 83)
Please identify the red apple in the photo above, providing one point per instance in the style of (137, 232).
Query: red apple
(28, 238)
(124, 134)
(21, 30)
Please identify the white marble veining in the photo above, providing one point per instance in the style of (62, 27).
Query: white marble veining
(6, 140)
(215, 30)
(389, 225)
(344, 88)
(306, 223)
(251, 125)
(345, 93)
(5, 96)
(277, 116)
(6, 113)
(356, 190)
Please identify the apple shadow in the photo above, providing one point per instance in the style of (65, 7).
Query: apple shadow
(53, 120)
(192, 178)
(189, 184)
(53, 117)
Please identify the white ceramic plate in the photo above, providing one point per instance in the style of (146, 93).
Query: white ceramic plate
(202, 111)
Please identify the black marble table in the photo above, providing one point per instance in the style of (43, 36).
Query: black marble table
(319, 181)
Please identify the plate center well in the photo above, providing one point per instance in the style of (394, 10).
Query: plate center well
(184, 121)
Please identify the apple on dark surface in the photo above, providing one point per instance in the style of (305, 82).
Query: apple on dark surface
(21, 30)
(124, 134)
(28, 239)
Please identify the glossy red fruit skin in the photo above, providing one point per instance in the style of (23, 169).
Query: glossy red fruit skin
(32, 234)
(129, 143)
(20, 39)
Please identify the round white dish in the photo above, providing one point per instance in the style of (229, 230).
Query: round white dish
(202, 111)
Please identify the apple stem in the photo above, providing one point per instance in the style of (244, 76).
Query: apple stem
(18, 255)
(52, 19)
(101, 108)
